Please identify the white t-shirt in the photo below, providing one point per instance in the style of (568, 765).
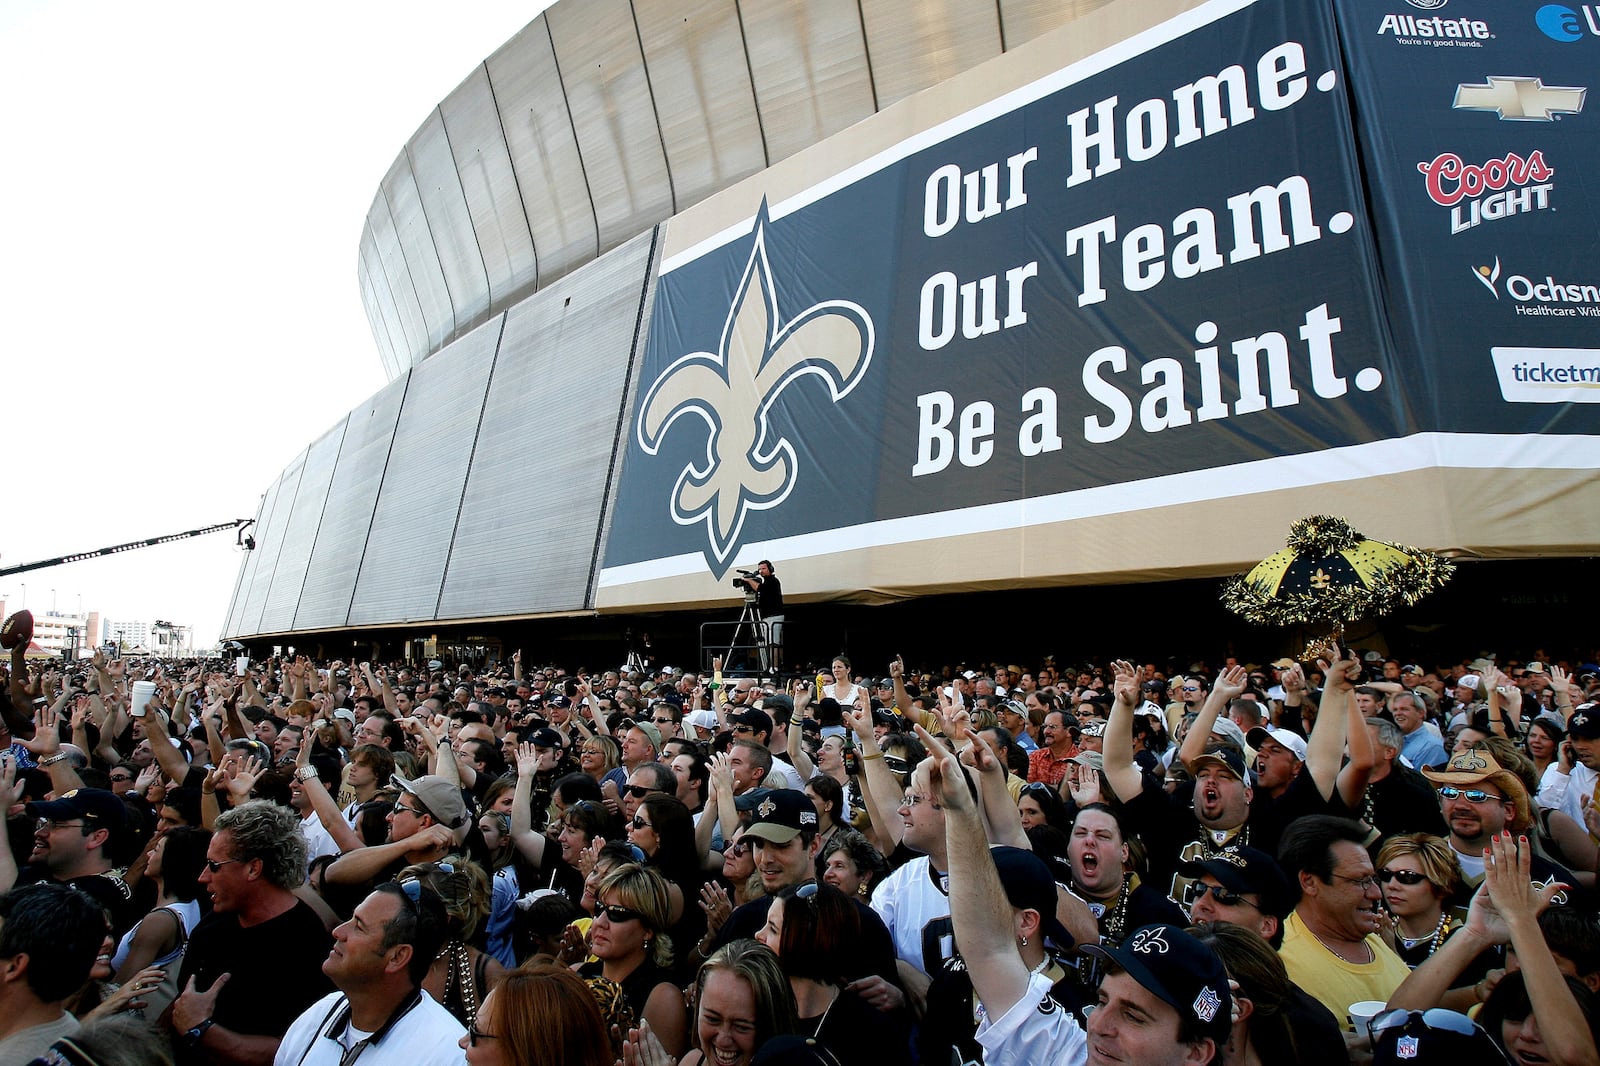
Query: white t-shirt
(1036, 1029)
(917, 913)
(318, 840)
(426, 1035)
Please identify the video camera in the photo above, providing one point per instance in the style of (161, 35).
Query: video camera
(739, 582)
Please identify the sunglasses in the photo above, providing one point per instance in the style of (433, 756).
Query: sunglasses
(1405, 877)
(474, 1034)
(216, 864)
(640, 823)
(1473, 795)
(616, 914)
(1437, 1020)
(639, 791)
(739, 850)
(1224, 897)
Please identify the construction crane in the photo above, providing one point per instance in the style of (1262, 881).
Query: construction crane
(244, 541)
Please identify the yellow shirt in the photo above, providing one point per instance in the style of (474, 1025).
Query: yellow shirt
(1333, 981)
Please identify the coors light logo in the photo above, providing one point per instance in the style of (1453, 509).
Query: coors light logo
(1477, 193)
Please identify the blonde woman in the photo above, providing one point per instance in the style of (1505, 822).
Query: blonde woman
(1417, 873)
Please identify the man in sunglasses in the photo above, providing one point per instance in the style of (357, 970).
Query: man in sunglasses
(255, 963)
(378, 962)
(1243, 887)
(1481, 799)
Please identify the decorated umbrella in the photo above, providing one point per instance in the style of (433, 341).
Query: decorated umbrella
(1329, 575)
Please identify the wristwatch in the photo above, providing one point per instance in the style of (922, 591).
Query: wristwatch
(53, 759)
(193, 1037)
(305, 773)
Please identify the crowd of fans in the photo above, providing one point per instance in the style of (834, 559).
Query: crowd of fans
(1358, 859)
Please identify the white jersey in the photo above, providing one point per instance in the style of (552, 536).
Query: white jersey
(916, 909)
(1036, 1029)
(425, 1035)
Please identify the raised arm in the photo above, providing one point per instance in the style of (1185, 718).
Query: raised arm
(529, 841)
(979, 910)
(1325, 745)
(1230, 682)
(1121, 774)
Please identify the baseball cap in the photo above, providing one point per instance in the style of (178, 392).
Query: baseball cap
(1030, 885)
(97, 804)
(702, 719)
(781, 815)
(1093, 729)
(1585, 722)
(1247, 869)
(1468, 681)
(1092, 759)
(1230, 759)
(759, 721)
(548, 738)
(1228, 729)
(1293, 741)
(1436, 1035)
(648, 728)
(1283, 663)
(441, 800)
(1180, 971)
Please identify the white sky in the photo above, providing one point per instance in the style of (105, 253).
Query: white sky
(183, 187)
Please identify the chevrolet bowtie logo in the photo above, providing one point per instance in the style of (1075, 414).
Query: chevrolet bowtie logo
(748, 466)
(1521, 99)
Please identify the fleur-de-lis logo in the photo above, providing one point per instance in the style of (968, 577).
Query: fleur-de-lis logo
(747, 467)
(1469, 760)
(1148, 941)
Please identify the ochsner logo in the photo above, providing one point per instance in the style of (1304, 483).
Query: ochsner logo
(1542, 297)
(1485, 192)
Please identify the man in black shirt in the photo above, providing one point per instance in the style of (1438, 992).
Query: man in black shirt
(255, 963)
(769, 601)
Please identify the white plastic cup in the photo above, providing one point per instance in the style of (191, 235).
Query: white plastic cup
(1363, 1012)
(142, 691)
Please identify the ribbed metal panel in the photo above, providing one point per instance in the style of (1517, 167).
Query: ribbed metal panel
(602, 70)
(694, 53)
(331, 574)
(448, 223)
(392, 261)
(809, 62)
(416, 512)
(489, 184)
(384, 293)
(530, 520)
(544, 151)
(375, 312)
(268, 545)
(918, 43)
(299, 535)
(399, 191)
(241, 585)
(1023, 20)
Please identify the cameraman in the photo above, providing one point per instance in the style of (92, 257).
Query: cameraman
(769, 601)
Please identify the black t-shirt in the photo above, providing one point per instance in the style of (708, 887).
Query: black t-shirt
(1403, 802)
(769, 595)
(1270, 817)
(275, 971)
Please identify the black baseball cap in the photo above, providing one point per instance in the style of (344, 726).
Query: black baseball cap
(548, 738)
(759, 721)
(781, 815)
(1247, 870)
(1030, 885)
(1180, 971)
(1230, 758)
(98, 805)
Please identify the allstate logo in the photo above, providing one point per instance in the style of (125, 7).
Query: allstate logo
(732, 390)
(1558, 23)
(1428, 5)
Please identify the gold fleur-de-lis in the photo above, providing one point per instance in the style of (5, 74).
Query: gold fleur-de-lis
(1321, 579)
(747, 468)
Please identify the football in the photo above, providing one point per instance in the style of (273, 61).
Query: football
(17, 631)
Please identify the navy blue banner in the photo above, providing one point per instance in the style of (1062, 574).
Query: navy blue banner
(1482, 152)
(1155, 263)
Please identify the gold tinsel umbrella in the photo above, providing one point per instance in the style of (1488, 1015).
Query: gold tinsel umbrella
(1329, 575)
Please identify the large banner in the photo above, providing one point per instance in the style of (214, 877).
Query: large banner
(1156, 261)
(1483, 159)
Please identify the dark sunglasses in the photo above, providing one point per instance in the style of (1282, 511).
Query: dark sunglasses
(614, 913)
(1405, 877)
(216, 864)
(640, 823)
(739, 850)
(1224, 897)
(639, 791)
(1436, 1020)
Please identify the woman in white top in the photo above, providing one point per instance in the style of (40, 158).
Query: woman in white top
(159, 939)
(843, 689)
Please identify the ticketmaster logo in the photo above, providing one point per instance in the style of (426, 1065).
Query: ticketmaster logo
(1548, 375)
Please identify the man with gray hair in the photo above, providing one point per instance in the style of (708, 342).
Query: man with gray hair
(255, 963)
(1420, 745)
